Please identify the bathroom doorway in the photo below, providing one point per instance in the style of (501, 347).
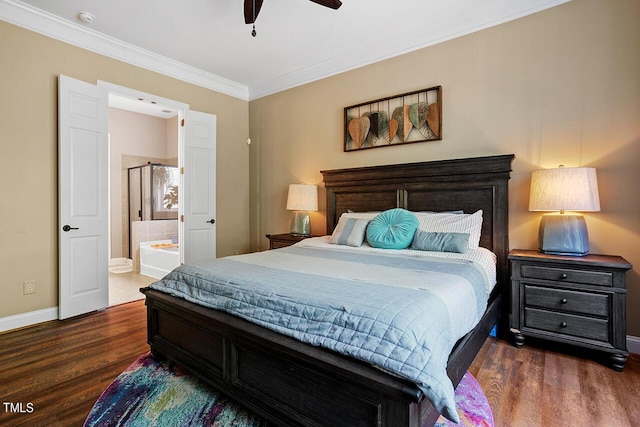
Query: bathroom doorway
(144, 192)
(85, 193)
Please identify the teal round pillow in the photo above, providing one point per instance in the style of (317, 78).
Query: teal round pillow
(392, 229)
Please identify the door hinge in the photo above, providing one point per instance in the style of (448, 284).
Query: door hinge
(181, 218)
(182, 122)
(182, 170)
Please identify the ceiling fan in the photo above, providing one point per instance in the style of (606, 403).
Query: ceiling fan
(252, 8)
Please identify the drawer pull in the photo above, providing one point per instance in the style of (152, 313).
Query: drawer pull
(563, 324)
(563, 301)
(563, 276)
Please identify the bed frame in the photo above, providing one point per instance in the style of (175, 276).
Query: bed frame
(291, 383)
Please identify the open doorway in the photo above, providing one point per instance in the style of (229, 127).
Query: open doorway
(83, 190)
(143, 195)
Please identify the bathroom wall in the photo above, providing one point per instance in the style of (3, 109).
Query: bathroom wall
(148, 231)
(171, 139)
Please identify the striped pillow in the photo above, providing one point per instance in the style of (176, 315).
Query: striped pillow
(453, 223)
(350, 231)
(360, 215)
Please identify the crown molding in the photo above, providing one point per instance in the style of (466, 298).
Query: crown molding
(388, 49)
(34, 19)
(39, 21)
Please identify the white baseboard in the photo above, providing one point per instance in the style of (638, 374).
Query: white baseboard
(633, 344)
(115, 262)
(27, 319)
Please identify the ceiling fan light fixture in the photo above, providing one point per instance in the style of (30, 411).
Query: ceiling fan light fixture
(253, 31)
(252, 9)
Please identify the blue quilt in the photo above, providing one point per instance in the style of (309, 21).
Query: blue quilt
(401, 314)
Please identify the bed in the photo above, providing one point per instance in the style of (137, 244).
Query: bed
(290, 382)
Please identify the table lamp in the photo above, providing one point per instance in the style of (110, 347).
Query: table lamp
(564, 189)
(301, 199)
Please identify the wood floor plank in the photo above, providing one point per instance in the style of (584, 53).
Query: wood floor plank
(62, 367)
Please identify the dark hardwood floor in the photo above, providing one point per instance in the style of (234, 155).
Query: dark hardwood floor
(543, 384)
(60, 369)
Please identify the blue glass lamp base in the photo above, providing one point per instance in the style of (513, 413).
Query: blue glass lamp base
(563, 234)
(301, 224)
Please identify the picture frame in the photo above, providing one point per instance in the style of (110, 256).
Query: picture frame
(401, 119)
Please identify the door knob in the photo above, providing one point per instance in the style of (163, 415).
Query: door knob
(69, 228)
(212, 221)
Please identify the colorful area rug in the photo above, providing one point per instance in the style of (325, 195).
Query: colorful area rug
(471, 402)
(154, 393)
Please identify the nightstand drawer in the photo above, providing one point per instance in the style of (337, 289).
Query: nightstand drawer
(566, 300)
(567, 324)
(566, 275)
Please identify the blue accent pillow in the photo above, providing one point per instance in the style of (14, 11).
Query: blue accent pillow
(392, 229)
(440, 242)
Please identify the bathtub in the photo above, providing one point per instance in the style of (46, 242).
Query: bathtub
(157, 262)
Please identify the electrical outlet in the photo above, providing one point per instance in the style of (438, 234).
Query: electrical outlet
(29, 287)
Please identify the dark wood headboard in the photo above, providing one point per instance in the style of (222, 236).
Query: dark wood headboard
(468, 184)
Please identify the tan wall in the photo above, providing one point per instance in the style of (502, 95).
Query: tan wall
(28, 143)
(560, 86)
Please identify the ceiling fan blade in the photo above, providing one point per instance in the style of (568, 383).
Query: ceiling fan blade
(249, 14)
(333, 4)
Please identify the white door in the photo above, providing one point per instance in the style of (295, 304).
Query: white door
(83, 203)
(199, 208)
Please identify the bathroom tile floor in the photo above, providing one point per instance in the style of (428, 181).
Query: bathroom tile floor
(125, 287)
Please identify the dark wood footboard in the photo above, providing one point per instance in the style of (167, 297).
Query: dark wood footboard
(288, 382)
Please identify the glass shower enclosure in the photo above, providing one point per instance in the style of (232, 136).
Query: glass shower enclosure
(153, 193)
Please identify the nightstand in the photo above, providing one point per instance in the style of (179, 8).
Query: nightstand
(283, 240)
(574, 300)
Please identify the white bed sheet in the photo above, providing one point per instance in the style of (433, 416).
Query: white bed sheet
(482, 256)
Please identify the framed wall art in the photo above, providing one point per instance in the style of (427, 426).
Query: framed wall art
(401, 119)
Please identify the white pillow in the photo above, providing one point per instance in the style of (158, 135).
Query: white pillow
(453, 223)
(360, 215)
(350, 230)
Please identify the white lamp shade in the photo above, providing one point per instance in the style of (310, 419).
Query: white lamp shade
(302, 197)
(560, 189)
